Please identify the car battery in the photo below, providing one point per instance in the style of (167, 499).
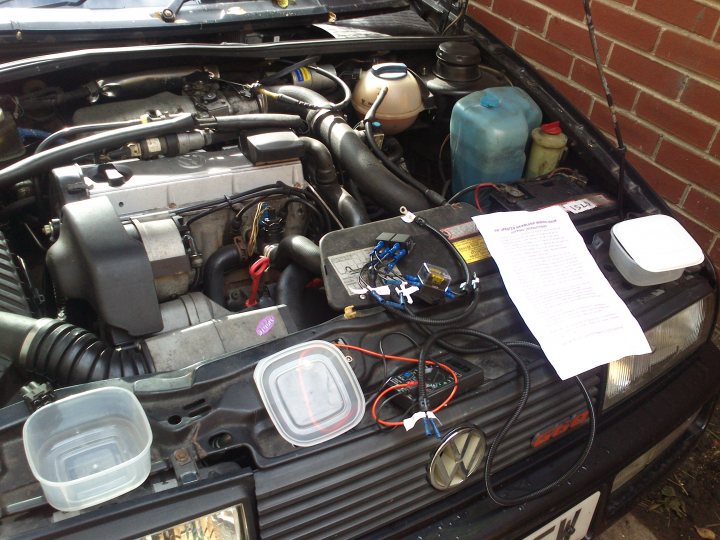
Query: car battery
(585, 205)
(344, 253)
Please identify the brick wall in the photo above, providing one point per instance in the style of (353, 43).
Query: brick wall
(663, 66)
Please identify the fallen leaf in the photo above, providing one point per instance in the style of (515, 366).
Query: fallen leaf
(707, 534)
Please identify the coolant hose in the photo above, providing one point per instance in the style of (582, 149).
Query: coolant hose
(367, 171)
(224, 259)
(348, 209)
(65, 354)
(299, 250)
(290, 290)
(253, 121)
(61, 155)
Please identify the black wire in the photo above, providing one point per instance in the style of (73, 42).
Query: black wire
(347, 94)
(409, 316)
(464, 191)
(393, 167)
(503, 501)
(385, 336)
(516, 501)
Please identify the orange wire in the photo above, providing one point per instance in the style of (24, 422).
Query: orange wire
(403, 385)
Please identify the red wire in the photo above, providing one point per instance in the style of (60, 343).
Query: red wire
(403, 385)
(476, 192)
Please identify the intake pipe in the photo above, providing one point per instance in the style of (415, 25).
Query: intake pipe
(367, 171)
(299, 250)
(65, 354)
(218, 264)
(345, 206)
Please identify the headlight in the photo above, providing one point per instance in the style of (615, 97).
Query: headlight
(671, 341)
(227, 524)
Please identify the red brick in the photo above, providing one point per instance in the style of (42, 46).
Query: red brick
(634, 133)
(689, 53)
(586, 74)
(487, 3)
(575, 38)
(523, 13)
(625, 26)
(705, 208)
(500, 27)
(686, 14)
(698, 169)
(674, 120)
(699, 232)
(715, 148)
(571, 9)
(543, 52)
(645, 71)
(577, 97)
(669, 187)
(702, 98)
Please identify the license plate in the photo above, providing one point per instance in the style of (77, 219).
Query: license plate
(572, 524)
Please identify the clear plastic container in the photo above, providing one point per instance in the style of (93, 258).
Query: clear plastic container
(489, 132)
(88, 448)
(310, 392)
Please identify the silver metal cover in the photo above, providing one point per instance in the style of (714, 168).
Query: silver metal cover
(458, 456)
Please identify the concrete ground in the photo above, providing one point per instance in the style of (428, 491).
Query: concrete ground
(627, 528)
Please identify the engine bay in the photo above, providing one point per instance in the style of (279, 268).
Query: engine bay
(173, 223)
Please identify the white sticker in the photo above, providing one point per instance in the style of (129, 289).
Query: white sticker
(579, 206)
(347, 266)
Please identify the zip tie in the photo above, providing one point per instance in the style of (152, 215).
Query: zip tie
(409, 423)
(406, 292)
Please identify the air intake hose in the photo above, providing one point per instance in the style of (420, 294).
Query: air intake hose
(367, 171)
(65, 354)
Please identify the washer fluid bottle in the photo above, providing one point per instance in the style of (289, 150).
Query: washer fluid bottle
(489, 132)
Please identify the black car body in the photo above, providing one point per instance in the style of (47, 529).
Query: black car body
(70, 258)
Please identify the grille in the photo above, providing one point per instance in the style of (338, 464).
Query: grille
(352, 489)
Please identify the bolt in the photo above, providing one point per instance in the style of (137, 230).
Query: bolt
(181, 455)
(47, 230)
(168, 14)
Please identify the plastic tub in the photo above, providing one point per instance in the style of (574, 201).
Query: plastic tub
(652, 250)
(310, 392)
(88, 448)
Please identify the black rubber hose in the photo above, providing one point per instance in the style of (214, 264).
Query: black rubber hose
(433, 196)
(61, 155)
(290, 290)
(65, 354)
(224, 259)
(368, 173)
(82, 128)
(254, 121)
(345, 206)
(299, 250)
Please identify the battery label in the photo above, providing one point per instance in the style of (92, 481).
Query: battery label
(348, 265)
(472, 249)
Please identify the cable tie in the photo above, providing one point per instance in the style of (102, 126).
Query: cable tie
(409, 423)
(406, 292)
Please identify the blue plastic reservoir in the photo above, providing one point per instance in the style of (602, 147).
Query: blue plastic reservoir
(489, 132)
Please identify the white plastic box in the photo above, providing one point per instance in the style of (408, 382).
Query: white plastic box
(88, 448)
(651, 250)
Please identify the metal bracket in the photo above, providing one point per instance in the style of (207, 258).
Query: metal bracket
(183, 462)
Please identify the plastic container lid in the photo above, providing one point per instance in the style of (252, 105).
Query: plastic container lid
(88, 448)
(658, 243)
(310, 392)
(551, 128)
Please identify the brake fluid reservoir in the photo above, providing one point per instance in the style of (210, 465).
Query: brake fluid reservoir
(403, 102)
(489, 132)
(548, 145)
